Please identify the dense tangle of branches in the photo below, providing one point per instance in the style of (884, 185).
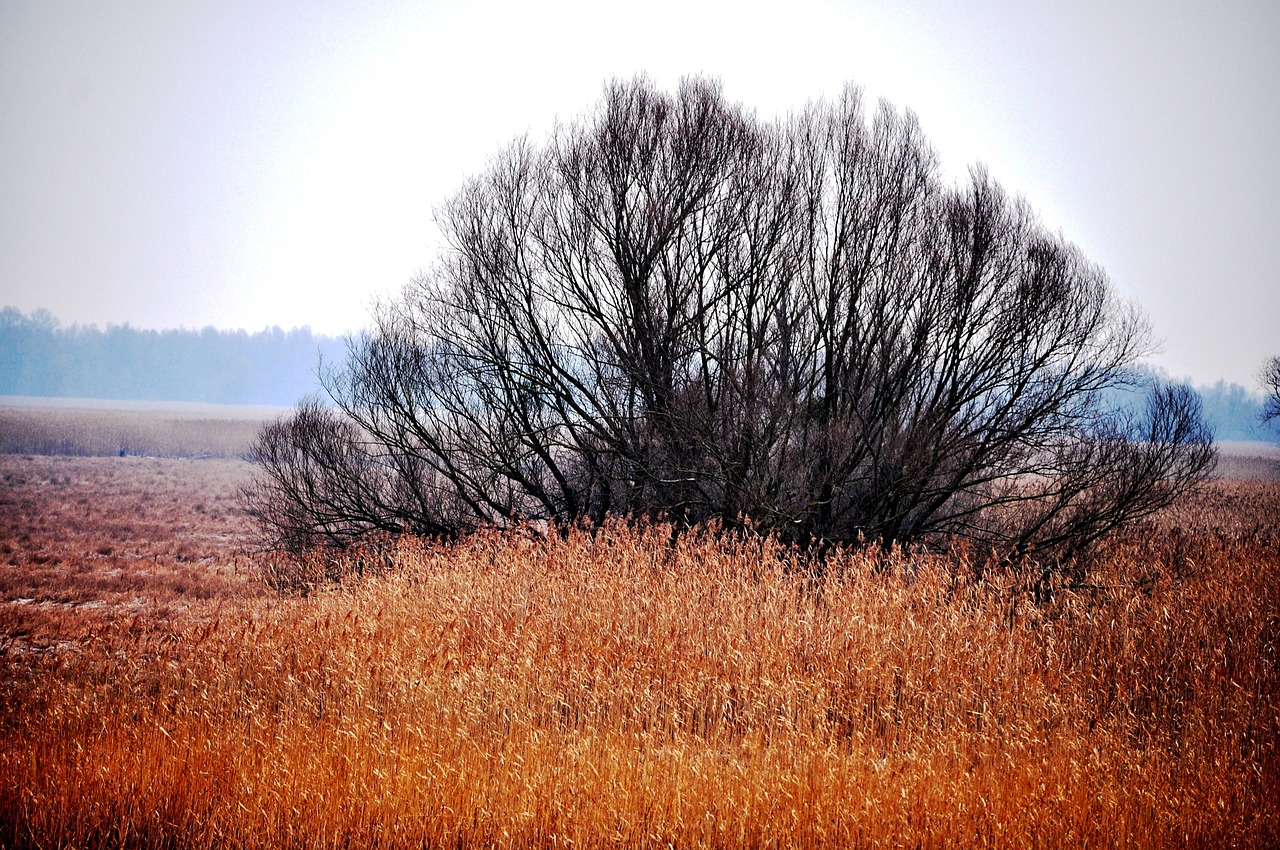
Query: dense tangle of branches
(1271, 388)
(675, 309)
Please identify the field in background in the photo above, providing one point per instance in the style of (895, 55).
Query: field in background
(1249, 461)
(100, 428)
(88, 540)
(94, 428)
(616, 690)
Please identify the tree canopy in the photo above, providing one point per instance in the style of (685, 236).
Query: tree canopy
(673, 308)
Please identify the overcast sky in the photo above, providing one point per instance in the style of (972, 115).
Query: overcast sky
(245, 164)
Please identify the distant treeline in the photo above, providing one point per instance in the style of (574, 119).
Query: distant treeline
(39, 357)
(1233, 411)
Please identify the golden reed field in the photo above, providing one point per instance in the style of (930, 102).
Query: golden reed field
(617, 689)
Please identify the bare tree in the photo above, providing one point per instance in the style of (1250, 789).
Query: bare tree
(1271, 387)
(676, 309)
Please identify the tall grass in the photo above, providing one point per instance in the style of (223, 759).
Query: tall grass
(620, 690)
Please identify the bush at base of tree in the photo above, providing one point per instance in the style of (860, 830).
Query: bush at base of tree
(675, 309)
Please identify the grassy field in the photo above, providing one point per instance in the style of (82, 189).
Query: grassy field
(94, 428)
(616, 690)
(1249, 461)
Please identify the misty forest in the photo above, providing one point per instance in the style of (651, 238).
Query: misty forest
(40, 357)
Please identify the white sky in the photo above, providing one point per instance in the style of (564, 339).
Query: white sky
(245, 164)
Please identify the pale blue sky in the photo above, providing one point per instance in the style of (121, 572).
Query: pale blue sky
(245, 164)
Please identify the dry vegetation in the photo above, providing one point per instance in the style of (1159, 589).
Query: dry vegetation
(89, 540)
(617, 690)
(87, 428)
(1249, 461)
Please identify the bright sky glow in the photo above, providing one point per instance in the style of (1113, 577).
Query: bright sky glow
(245, 164)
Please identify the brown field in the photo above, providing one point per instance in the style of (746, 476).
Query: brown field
(1250, 461)
(615, 690)
(93, 428)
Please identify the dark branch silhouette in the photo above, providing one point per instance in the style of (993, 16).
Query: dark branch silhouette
(1271, 388)
(674, 309)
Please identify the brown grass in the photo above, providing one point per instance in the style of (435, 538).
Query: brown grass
(85, 540)
(619, 691)
(85, 428)
(1252, 461)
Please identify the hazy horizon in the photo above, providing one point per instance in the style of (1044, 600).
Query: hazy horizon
(337, 337)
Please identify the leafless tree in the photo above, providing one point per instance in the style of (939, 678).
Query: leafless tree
(676, 309)
(1271, 387)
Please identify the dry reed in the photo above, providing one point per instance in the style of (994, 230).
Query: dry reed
(618, 690)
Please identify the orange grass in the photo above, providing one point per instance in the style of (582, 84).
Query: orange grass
(619, 691)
